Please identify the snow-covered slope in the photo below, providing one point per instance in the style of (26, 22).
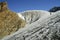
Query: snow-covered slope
(34, 15)
(47, 27)
(19, 14)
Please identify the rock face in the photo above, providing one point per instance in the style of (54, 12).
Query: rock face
(45, 28)
(54, 9)
(3, 6)
(10, 22)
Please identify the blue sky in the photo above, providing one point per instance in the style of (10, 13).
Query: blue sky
(22, 5)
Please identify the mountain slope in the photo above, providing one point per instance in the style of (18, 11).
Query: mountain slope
(45, 28)
(34, 15)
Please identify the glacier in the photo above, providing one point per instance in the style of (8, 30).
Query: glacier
(34, 15)
(40, 26)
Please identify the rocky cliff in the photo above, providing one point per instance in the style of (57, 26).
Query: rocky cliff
(10, 22)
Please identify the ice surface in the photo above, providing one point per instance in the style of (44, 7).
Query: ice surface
(19, 14)
(34, 15)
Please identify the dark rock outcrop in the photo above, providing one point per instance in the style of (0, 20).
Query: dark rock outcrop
(54, 9)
